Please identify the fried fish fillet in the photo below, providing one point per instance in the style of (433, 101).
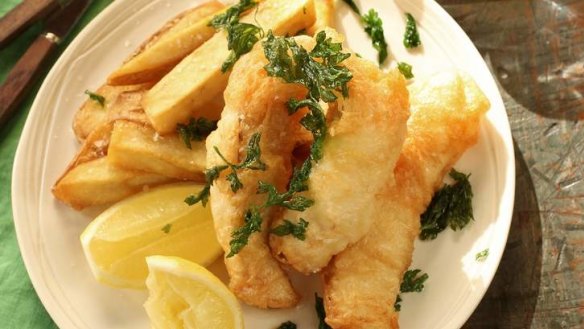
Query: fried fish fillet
(254, 103)
(362, 282)
(363, 144)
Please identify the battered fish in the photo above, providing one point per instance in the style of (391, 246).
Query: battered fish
(362, 282)
(363, 144)
(254, 103)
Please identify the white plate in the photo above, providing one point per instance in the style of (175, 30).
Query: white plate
(48, 232)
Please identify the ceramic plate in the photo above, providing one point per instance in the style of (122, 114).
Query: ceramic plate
(48, 232)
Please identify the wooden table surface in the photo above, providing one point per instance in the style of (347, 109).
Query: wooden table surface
(535, 50)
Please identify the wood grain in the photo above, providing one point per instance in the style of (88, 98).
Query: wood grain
(535, 50)
(22, 16)
(26, 70)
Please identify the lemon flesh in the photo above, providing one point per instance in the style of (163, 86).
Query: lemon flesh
(155, 222)
(183, 294)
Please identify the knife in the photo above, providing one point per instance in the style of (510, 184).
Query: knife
(28, 67)
(24, 15)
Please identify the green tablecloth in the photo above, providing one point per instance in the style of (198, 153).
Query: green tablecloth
(20, 307)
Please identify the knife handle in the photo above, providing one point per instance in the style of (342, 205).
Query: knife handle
(22, 16)
(21, 78)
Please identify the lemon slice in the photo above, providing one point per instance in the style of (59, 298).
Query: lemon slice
(155, 222)
(186, 295)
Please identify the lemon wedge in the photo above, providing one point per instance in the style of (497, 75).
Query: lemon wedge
(155, 222)
(183, 294)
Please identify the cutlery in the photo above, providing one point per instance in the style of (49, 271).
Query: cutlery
(31, 64)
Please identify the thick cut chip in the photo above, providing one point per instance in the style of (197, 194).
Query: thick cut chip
(92, 114)
(167, 47)
(198, 78)
(139, 147)
(97, 182)
(325, 16)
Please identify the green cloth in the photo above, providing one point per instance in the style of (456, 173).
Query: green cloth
(20, 307)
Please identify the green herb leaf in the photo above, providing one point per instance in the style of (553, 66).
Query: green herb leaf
(287, 199)
(252, 161)
(450, 206)
(203, 196)
(374, 28)
(405, 69)
(411, 36)
(397, 304)
(482, 256)
(412, 282)
(320, 312)
(289, 228)
(166, 228)
(319, 70)
(96, 97)
(353, 6)
(287, 325)
(253, 155)
(231, 15)
(240, 237)
(195, 130)
(241, 37)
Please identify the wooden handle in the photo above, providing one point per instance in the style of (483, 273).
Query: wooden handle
(21, 77)
(22, 16)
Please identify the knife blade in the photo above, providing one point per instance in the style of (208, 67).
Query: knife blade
(28, 67)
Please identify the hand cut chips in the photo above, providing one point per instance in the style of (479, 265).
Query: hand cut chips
(139, 147)
(197, 79)
(168, 46)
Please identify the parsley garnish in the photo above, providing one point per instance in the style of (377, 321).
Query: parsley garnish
(166, 228)
(252, 161)
(405, 69)
(231, 15)
(241, 37)
(287, 325)
(287, 199)
(411, 36)
(411, 282)
(397, 304)
(239, 237)
(482, 256)
(319, 71)
(289, 228)
(195, 130)
(374, 27)
(96, 97)
(320, 312)
(353, 6)
(450, 206)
